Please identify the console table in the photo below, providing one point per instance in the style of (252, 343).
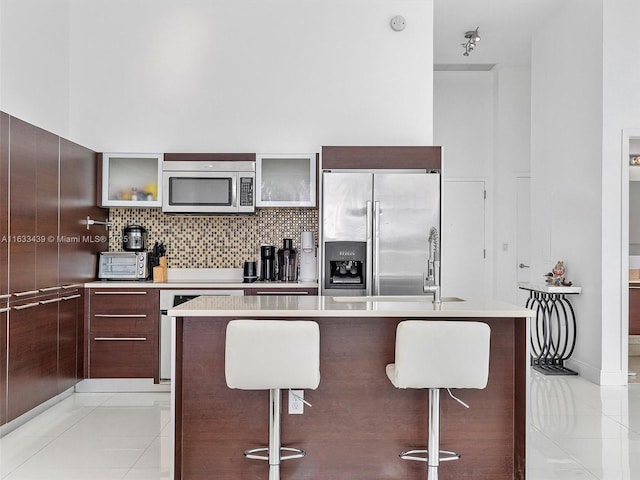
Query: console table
(553, 329)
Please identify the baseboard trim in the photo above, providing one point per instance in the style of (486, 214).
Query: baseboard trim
(34, 412)
(598, 376)
(121, 385)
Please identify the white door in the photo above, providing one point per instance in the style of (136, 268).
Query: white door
(464, 267)
(523, 235)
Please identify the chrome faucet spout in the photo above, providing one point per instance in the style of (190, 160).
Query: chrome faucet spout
(432, 278)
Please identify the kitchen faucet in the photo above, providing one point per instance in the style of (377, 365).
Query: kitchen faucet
(432, 278)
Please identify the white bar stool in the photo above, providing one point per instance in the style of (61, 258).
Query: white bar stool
(272, 355)
(435, 355)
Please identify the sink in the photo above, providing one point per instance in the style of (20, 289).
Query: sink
(452, 299)
(396, 298)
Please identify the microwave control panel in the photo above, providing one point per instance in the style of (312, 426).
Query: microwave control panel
(246, 191)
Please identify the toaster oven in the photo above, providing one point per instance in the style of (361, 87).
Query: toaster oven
(123, 266)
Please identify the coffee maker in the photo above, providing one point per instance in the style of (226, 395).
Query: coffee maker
(287, 262)
(267, 263)
(307, 258)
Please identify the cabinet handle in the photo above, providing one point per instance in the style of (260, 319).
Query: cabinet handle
(5, 295)
(107, 315)
(74, 285)
(4, 310)
(282, 292)
(120, 339)
(24, 294)
(120, 293)
(71, 297)
(53, 300)
(26, 305)
(50, 289)
(633, 286)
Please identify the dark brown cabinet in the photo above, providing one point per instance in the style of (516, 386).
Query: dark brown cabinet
(4, 251)
(3, 365)
(32, 355)
(123, 333)
(47, 195)
(281, 291)
(78, 245)
(634, 310)
(4, 202)
(69, 333)
(23, 145)
(42, 349)
(47, 191)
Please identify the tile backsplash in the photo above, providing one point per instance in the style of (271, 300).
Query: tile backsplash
(214, 241)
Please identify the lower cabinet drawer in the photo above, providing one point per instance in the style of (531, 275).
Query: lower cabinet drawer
(120, 356)
(127, 325)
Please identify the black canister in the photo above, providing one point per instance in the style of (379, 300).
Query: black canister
(287, 262)
(250, 272)
(267, 263)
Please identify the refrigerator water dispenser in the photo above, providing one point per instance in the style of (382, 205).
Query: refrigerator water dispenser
(345, 265)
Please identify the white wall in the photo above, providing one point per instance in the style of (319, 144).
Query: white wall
(463, 112)
(34, 62)
(482, 120)
(249, 75)
(621, 110)
(463, 125)
(511, 159)
(566, 164)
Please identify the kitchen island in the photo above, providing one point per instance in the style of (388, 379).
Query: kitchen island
(359, 422)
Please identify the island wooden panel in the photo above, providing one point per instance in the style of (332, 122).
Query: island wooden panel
(359, 422)
(634, 310)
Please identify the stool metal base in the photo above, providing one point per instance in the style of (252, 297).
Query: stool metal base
(411, 455)
(274, 449)
(433, 461)
(299, 453)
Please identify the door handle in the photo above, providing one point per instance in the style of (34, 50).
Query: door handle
(522, 265)
(376, 248)
(369, 253)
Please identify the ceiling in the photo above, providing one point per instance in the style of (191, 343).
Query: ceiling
(506, 27)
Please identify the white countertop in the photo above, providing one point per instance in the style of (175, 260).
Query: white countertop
(198, 284)
(230, 278)
(543, 287)
(297, 306)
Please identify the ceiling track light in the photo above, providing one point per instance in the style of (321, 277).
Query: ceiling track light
(472, 36)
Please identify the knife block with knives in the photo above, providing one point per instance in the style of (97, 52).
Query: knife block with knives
(160, 271)
(158, 262)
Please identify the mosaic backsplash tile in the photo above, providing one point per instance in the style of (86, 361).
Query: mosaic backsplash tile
(214, 241)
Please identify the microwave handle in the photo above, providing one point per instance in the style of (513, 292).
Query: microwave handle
(235, 201)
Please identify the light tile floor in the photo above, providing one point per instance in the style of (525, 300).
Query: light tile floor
(577, 431)
(634, 369)
(97, 436)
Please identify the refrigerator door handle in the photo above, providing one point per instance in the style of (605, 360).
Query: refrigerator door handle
(376, 248)
(369, 255)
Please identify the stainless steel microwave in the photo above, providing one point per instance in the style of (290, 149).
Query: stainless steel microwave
(202, 187)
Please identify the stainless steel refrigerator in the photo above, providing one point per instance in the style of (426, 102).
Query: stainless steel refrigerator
(375, 228)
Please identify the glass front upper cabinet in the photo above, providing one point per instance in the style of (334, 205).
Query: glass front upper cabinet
(131, 180)
(286, 180)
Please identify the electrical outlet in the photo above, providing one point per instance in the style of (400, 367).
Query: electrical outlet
(296, 405)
